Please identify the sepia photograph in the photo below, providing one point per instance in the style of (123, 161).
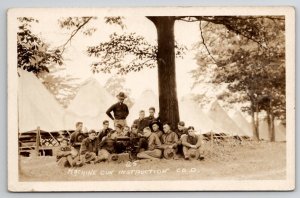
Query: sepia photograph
(151, 99)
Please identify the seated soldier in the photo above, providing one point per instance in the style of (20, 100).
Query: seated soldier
(151, 118)
(89, 148)
(105, 130)
(191, 144)
(153, 151)
(141, 122)
(77, 136)
(169, 142)
(106, 148)
(67, 156)
(134, 133)
(118, 132)
(155, 128)
(181, 130)
(120, 146)
(126, 130)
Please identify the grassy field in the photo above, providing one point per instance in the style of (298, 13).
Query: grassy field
(249, 160)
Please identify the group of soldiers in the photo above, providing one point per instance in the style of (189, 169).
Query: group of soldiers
(147, 138)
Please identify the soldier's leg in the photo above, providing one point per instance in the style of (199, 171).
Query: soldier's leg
(185, 152)
(149, 154)
(103, 154)
(156, 153)
(63, 162)
(70, 160)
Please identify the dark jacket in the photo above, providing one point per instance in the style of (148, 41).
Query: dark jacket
(104, 133)
(120, 111)
(141, 123)
(76, 138)
(182, 132)
(108, 144)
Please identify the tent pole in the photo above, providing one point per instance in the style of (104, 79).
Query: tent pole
(37, 147)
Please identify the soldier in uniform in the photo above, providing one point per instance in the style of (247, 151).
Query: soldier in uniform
(153, 151)
(89, 148)
(141, 122)
(169, 142)
(105, 130)
(67, 156)
(155, 127)
(77, 136)
(120, 110)
(191, 144)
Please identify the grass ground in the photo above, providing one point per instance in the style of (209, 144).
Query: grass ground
(249, 160)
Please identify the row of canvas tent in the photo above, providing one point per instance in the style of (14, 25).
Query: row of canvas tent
(38, 107)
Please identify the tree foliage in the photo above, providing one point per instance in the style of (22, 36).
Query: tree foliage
(126, 53)
(115, 84)
(252, 66)
(34, 54)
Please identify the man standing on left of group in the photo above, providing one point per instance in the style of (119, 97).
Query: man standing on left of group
(120, 110)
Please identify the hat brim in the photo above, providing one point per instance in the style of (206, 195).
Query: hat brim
(121, 97)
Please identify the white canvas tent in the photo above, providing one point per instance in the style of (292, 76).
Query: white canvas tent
(147, 99)
(280, 134)
(37, 107)
(192, 115)
(219, 116)
(89, 105)
(242, 123)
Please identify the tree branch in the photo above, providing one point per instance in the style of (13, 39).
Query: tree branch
(203, 42)
(74, 33)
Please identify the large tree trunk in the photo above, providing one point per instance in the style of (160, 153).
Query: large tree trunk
(168, 102)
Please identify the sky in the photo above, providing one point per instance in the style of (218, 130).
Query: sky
(77, 63)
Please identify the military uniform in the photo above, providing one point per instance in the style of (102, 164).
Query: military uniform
(153, 150)
(88, 149)
(188, 141)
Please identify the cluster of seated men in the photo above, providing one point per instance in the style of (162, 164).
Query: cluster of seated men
(147, 138)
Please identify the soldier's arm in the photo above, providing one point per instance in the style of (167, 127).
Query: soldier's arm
(184, 141)
(61, 153)
(83, 148)
(72, 139)
(157, 141)
(175, 140)
(109, 110)
(127, 111)
(199, 142)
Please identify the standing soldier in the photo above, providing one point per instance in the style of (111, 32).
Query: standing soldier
(120, 110)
